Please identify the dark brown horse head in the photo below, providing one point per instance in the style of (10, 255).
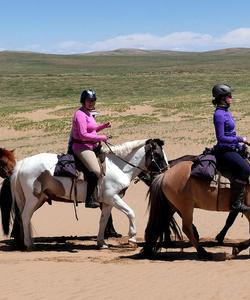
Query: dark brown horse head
(7, 162)
(156, 161)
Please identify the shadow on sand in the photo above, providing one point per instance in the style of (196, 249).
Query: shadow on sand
(176, 251)
(58, 243)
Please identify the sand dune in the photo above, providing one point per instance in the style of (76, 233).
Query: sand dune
(67, 265)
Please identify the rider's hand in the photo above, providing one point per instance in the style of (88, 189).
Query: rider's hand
(245, 141)
(103, 138)
(107, 125)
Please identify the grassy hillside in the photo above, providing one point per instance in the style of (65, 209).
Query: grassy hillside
(134, 77)
(171, 82)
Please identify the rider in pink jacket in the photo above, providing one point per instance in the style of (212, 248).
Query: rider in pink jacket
(85, 140)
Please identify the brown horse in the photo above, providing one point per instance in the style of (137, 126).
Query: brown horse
(7, 162)
(176, 191)
(7, 165)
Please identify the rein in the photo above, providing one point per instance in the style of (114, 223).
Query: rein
(122, 159)
(152, 173)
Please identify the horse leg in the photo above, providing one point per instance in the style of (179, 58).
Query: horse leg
(196, 233)
(29, 209)
(243, 245)
(110, 230)
(123, 207)
(106, 210)
(17, 230)
(229, 222)
(187, 227)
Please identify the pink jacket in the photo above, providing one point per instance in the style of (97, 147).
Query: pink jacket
(84, 131)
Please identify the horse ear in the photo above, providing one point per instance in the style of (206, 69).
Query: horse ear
(159, 142)
(13, 150)
(149, 141)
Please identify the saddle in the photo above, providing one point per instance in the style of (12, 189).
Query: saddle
(206, 167)
(69, 165)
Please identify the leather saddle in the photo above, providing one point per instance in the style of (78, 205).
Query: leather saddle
(69, 165)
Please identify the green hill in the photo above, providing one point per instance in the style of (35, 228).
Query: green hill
(123, 76)
(171, 83)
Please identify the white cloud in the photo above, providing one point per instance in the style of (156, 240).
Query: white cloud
(237, 38)
(175, 41)
(183, 41)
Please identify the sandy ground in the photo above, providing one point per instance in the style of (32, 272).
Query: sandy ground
(67, 265)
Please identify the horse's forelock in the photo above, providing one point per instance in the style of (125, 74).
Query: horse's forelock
(159, 142)
(124, 149)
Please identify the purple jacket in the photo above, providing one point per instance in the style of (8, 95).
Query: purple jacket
(225, 129)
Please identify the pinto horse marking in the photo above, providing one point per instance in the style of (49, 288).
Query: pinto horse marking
(32, 180)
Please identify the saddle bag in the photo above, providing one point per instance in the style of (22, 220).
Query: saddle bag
(65, 166)
(204, 167)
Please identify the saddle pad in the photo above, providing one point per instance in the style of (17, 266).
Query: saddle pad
(220, 181)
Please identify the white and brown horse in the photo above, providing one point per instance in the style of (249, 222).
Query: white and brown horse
(33, 176)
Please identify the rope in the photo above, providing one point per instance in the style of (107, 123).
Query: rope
(70, 196)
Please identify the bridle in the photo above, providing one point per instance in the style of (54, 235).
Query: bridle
(160, 170)
(152, 174)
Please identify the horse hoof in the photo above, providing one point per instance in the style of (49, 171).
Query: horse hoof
(29, 248)
(204, 255)
(219, 239)
(102, 245)
(132, 241)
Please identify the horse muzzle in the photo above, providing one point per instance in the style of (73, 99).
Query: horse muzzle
(4, 172)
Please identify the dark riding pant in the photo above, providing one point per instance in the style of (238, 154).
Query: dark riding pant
(232, 160)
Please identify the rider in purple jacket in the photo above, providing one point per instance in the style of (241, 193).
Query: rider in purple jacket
(229, 144)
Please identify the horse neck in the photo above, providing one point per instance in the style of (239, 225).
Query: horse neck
(132, 163)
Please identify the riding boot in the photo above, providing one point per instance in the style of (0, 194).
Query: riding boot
(91, 201)
(238, 197)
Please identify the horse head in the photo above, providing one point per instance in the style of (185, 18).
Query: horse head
(155, 160)
(7, 162)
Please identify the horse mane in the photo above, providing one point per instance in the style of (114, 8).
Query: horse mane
(124, 149)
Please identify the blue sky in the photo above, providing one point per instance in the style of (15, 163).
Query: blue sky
(78, 26)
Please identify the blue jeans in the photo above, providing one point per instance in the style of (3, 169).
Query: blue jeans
(232, 160)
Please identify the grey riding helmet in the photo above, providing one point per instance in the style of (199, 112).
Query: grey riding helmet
(221, 90)
(88, 94)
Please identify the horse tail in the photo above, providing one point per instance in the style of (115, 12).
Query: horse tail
(6, 204)
(161, 221)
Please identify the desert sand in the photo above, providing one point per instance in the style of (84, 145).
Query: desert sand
(66, 264)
